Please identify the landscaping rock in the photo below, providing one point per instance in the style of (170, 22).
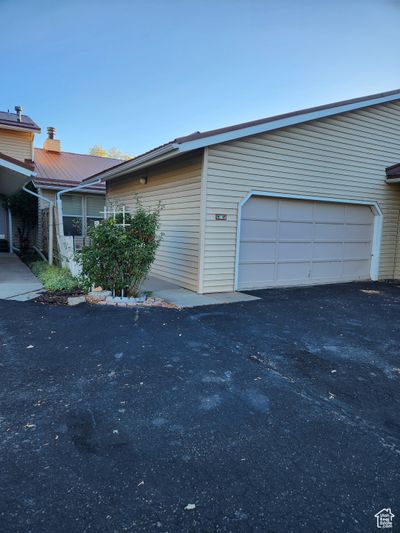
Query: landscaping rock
(76, 300)
(97, 296)
(124, 301)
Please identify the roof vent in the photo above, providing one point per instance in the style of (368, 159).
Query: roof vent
(18, 110)
(51, 144)
(51, 132)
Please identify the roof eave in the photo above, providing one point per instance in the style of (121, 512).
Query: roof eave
(58, 187)
(218, 138)
(20, 128)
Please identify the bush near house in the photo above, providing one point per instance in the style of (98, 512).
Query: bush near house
(54, 278)
(120, 254)
(24, 207)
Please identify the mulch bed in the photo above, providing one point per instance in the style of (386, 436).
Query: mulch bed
(57, 297)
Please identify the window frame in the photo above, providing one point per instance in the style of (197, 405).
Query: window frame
(84, 216)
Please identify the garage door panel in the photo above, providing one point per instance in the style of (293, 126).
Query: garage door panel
(356, 269)
(258, 273)
(330, 232)
(257, 251)
(296, 231)
(358, 232)
(325, 212)
(294, 251)
(262, 208)
(307, 242)
(356, 250)
(323, 271)
(328, 251)
(289, 273)
(297, 211)
(258, 229)
(359, 214)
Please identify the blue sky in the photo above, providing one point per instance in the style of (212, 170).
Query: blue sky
(135, 74)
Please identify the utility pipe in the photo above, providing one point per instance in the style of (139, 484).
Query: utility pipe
(51, 221)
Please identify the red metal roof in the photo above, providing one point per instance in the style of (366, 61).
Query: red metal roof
(66, 169)
(11, 120)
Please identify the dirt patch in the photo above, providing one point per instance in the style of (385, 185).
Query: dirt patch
(57, 297)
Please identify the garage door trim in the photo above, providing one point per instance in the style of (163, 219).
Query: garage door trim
(377, 232)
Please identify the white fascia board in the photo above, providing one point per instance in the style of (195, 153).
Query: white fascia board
(17, 168)
(157, 156)
(389, 181)
(282, 123)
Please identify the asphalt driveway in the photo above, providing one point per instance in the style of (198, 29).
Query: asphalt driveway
(281, 414)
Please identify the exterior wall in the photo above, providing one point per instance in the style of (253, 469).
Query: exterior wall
(177, 186)
(17, 144)
(343, 156)
(51, 195)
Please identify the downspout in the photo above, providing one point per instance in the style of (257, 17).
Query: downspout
(59, 202)
(51, 221)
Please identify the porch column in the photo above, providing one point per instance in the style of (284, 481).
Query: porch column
(10, 230)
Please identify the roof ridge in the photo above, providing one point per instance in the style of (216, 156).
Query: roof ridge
(85, 155)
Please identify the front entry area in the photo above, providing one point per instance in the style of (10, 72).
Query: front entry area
(4, 244)
(287, 242)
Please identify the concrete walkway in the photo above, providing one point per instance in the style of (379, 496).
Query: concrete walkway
(181, 297)
(16, 280)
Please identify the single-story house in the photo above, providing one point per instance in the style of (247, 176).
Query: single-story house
(295, 199)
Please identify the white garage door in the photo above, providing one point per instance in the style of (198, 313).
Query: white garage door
(300, 242)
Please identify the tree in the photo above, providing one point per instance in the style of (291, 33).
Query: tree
(24, 207)
(112, 152)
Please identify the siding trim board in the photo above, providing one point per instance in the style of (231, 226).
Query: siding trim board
(377, 232)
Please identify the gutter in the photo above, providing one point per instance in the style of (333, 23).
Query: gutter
(59, 203)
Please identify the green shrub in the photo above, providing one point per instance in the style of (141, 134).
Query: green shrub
(54, 278)
(119, 258)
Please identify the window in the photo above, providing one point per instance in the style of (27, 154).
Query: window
(94, 209)
(72, 214)
(81, 211)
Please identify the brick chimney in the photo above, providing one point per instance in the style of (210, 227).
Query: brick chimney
(51, 144)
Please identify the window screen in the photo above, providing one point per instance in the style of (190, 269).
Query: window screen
(72, 205)
(95, 206)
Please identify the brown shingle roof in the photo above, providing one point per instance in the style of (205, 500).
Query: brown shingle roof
(66, 169)
(11, 119)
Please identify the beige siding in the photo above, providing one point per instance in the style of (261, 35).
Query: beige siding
(17, 144)
(338, 157)
(177, 186)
